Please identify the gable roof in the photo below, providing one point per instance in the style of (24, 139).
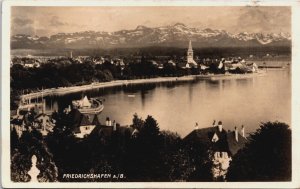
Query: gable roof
(74, 117)
(84, 121)
(85, 102)
(102, 130)
(96, 121)
(226, 140)
(235, 146)
(200, 135)
(192, 65)
(107, 131)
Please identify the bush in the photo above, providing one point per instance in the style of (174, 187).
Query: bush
(267, 156)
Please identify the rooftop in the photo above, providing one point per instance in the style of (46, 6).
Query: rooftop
(226, 142)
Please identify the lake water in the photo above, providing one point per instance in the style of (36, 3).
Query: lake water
(177, 106)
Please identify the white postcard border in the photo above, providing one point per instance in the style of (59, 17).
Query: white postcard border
(5, 96)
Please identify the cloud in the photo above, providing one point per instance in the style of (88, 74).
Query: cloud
(264, 20)
(51, 20)
(22, 21)
(55, 21)
(27, 29)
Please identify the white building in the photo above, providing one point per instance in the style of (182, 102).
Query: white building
(44, 124)
(190, 57)
(85, 128)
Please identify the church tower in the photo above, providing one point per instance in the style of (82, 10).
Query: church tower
(190, 57)
(190, 53)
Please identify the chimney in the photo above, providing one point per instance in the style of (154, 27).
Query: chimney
(114, 125)
(196, 126)
(214, 123)
(107, 121)
(236, 134)
(243, 131)
(220, 127)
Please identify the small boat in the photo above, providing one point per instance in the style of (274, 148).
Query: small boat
(88, 106)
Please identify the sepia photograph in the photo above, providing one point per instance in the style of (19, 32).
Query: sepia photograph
(148, 94)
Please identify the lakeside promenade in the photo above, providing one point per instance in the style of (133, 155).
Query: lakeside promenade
(96, 85)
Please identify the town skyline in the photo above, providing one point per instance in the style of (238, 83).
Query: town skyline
(46, 21)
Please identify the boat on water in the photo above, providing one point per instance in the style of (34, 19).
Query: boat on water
(88, 106)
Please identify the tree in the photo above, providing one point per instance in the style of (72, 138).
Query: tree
(177, 164)
(200, 155)
(20, 165)
(14, 139)
(151, 128)
(87, 71)
(107, 75)
(266, 157)
(137, 122)
(31, 143)
(143, 161)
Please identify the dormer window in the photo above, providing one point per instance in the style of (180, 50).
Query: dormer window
(215, 138)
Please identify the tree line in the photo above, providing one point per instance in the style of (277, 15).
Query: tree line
(68, 72)
(149, 155)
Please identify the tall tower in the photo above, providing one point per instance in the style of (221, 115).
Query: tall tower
(190, 53)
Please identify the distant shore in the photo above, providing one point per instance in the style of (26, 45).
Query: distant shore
(96, 85)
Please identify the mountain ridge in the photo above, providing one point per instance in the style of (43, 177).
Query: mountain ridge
(176, 35)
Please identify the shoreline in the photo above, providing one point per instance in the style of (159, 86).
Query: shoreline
(97, 85)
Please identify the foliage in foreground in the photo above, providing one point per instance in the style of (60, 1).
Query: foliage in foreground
(267, 156)
(22, 150)
(150, 155)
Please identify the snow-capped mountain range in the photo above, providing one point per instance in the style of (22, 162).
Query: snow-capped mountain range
(176, 35)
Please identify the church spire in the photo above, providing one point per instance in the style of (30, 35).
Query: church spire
(190, 45)
(190, 53)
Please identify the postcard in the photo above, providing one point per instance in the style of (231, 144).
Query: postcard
(150, 94)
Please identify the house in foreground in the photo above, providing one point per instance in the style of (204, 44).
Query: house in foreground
(223, 144)
(40, 122)
(83, 126)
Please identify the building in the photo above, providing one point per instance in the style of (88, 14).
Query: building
(84, 128)
(43, 123)
(28, 121)
(35, 64)
(252, 67)
(18, 122)
(190, 57)
(224, 145)
(171, 62)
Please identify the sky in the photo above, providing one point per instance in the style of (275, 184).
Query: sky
(46, 21)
